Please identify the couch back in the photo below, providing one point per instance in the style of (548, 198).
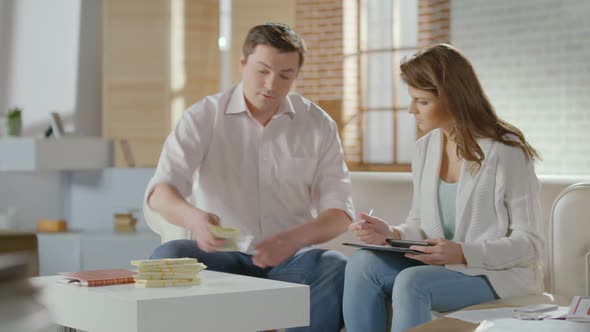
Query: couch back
(390, 195)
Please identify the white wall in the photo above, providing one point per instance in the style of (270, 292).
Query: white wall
(51, 62)
(88, 107)
(532, 58)
(6, 9)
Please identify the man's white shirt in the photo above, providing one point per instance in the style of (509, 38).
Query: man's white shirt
(260, 179)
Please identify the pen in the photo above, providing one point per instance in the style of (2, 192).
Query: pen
(369, 214)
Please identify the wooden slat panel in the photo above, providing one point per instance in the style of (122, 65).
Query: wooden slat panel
(137, 69)
(136, 73)
(201, 50)
(248, 13)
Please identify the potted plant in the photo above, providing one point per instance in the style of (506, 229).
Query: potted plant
(13, 122)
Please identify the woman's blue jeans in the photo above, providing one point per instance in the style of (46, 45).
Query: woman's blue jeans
(375, 278)
(322, 270)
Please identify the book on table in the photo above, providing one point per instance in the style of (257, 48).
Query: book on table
(98, 277)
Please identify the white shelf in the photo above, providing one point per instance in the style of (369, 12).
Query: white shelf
(68, 153)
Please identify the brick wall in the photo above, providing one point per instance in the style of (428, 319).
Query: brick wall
(433, 22)
(320, 24)
(532, 58)
(322, 79)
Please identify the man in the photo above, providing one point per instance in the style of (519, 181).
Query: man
(266, 162)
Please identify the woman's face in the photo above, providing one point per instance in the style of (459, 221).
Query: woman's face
(429, 110)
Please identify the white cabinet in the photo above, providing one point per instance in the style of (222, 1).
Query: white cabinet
(67, 153)
(64, 252)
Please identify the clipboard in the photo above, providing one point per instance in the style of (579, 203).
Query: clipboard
(382, 248)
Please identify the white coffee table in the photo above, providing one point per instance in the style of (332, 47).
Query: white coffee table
(222, 302)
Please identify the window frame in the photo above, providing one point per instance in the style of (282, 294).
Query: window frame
(362, 51)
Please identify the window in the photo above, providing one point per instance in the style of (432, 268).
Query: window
(387, 32)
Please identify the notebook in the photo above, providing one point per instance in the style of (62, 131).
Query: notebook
(98, 277)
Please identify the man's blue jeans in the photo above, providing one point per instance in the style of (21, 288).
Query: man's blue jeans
(322, 270)
(414, 289)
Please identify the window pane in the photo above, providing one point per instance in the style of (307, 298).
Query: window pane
(379, 24)
(406, 28)
(350, 25)
(405, 138)
(401, 89)
(378, 137)
(378, 89)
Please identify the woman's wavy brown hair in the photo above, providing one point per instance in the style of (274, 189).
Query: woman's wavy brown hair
(446, 72)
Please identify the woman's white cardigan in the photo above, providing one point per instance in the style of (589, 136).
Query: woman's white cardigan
(498, 221)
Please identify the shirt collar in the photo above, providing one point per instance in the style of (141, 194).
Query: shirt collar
(237, 104)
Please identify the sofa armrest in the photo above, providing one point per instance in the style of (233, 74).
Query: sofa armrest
(569, 241)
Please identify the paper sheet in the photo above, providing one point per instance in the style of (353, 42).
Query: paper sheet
(512, 324)
(477, 316)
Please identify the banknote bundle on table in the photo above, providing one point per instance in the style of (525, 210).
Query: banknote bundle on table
(169, 272)
(230, 235)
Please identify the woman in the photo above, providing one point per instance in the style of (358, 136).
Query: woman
(476, 201)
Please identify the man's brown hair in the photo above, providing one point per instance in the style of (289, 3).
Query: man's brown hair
(277, 35)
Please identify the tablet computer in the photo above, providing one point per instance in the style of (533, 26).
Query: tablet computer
(382, 248)
(406, 243)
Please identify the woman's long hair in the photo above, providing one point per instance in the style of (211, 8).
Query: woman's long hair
(444, 71)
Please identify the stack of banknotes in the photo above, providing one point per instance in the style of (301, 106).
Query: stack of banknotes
(230, 235)
(170, 272)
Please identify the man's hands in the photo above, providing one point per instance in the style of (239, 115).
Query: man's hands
(275, 250)
(373, 230)
(167, 201)
(200, 227)
(441, 253)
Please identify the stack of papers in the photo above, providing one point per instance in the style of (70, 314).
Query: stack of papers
(170, 272)
(478, 316)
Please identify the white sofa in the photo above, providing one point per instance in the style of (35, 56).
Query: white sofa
(566, 220)
(567, 224)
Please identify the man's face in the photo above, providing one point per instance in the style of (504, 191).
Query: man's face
(267, 77)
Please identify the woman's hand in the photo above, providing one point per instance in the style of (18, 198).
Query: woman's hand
(441, 253)
(372, 230)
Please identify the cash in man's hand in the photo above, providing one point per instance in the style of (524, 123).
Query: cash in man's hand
(229, 234)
